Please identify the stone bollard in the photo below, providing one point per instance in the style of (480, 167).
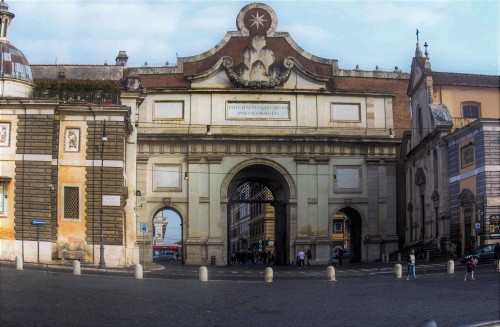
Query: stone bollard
(138, 273)
(451, 267)
(399, 257)
(76, 268)
(268, 275)
(428, 256)
(203, 274)
(19, 263)
(398, 271)
(429, 323)
(497, 268)
(330, 274)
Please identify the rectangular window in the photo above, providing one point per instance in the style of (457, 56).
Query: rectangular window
(71, 202)
(470, 111)
(467, 155)
(337, 228)
(168, 110)
(3, 199)
(167, 178)
(346, 112)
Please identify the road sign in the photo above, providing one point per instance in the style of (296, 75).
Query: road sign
(478, 225)
(144, 228)
(38, 222)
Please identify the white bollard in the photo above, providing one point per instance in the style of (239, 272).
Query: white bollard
(429, 323)
(19, 263)
(498, 266)
(428, 256)
(268, 275)
(203, 274)
(451, 267)
(138, 273)
(330, 274)
(76, 268)
(398, 271)
(399, 257)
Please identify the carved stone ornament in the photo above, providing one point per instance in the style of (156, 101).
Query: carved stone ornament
(259, 68)
(435, 196)
(409, 207)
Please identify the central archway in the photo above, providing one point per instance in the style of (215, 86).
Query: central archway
(258, 213)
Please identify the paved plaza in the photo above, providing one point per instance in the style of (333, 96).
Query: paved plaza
(364, 295)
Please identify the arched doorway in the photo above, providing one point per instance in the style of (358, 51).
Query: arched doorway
(257, 214)
(346, 232)
(168, 234)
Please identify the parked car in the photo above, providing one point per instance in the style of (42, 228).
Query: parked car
(165, 256)
(481, 254)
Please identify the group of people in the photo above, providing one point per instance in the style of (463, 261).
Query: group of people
(469, 264)
(250, 258)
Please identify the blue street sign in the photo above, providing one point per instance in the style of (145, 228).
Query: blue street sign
(38, 222)
(144, 228)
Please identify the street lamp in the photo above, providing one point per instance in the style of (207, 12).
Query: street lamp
(102, 262)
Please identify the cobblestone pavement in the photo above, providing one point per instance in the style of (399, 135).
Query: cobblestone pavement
(46, 297)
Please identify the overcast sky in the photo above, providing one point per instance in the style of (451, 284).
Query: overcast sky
(463, 36)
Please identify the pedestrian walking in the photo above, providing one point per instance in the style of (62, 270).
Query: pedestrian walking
(340, 251)
(496, 253)
(301, 256)
(470, 269)
(411, 265)
(308, 258)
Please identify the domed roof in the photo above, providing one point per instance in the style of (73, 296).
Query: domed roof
(13, 63)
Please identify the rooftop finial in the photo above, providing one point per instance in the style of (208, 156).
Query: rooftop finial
(418, 51)
(426, 52)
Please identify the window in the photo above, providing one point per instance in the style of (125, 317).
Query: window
(470, 110)
(467, 155)
(420, 121)
(71, 202)
(3, 199)
(337, 228)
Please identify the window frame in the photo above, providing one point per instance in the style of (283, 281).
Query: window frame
(463, 163)
(470, 104)
(3, 198)
(64, 217)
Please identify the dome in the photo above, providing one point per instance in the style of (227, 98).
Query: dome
(13, 63)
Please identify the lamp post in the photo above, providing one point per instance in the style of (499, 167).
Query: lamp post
(102, 262)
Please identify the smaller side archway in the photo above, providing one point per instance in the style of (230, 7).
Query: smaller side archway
(168, 232)
(347, 232)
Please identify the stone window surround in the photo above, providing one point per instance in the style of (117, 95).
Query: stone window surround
(80, 197)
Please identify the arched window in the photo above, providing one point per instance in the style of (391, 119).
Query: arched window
(420, 123)
(471, 110)
(435, 168)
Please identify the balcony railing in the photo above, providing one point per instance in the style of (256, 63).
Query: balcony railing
(96, 97)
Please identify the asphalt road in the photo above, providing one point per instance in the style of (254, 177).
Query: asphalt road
(46, 298)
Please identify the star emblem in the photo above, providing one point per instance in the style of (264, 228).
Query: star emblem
(257, 20)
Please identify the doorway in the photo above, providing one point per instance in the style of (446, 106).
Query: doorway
(168, 235)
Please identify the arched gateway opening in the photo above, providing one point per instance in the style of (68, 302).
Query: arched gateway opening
(346, 224)
(167, 236)
(257, 214)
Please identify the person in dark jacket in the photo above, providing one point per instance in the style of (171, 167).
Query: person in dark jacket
(496, 253)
